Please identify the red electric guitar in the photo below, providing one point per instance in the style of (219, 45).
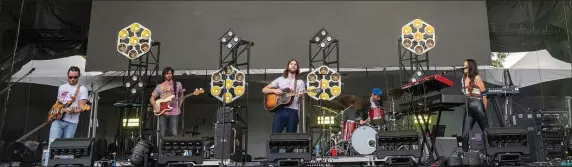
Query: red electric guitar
(164, 102)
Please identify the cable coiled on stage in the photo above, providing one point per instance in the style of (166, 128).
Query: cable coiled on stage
(141, 151)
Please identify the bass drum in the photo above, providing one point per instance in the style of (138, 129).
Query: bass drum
(364, 140)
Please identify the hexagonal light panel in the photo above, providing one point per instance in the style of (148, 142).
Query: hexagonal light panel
(228, 84)
(418, 36)
(133, 41)
(327, 82)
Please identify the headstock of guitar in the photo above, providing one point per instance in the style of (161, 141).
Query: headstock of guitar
(198, 91)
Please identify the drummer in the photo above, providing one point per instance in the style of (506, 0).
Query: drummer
(374, 102)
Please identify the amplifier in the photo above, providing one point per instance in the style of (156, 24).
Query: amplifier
(289, 146)
(181, 149)
(226, 115)
(75, 151)
(228, 142)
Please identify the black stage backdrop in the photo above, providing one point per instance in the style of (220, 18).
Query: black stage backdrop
(368, 31)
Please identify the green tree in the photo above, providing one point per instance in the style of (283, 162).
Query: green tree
(500, 57)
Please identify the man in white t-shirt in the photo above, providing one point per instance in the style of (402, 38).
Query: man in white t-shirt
(67, 125)
(287, 117)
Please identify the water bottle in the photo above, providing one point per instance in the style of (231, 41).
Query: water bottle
(317, 149)
(45, 155)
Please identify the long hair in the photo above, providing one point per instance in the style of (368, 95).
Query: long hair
(472, 72)
(285, 73)
(166, 70)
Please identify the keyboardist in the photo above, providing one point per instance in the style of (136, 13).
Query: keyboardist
(473, 88)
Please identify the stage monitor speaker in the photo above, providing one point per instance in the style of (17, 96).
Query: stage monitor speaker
(75, 151)
(289, 146)
(506, 140)
(228, 141)
(181, 149)
(398, 143)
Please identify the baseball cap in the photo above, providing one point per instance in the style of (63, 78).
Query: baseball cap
(376, 91)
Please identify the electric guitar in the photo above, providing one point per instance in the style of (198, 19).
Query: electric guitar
(165, 103)
(55, 113)
(273, 101)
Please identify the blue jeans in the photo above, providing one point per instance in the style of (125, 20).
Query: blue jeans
(285, 117)
(169, 125)
(62, 129)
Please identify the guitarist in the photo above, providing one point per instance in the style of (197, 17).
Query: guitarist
(168, 121)
(76, 94)
(287, 117)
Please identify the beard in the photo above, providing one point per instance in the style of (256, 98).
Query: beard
(292, 71)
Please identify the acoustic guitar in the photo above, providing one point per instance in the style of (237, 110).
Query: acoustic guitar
(165, 103)
(273, 101)
(55, 113)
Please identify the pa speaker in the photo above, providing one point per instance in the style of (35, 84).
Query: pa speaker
(75, 151)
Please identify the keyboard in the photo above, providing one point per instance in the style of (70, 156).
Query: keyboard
(427, 84)
(433, 103)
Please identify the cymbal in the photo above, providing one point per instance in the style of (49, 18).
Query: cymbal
(330, 104)
(326, 109)
(349, 100)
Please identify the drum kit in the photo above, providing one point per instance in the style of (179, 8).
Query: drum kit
(354, 138)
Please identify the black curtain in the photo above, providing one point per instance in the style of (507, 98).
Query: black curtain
(554, 17)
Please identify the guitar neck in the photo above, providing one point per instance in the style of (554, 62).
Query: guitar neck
(33, 131)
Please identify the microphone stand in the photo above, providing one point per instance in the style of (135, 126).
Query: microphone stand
(7, 89)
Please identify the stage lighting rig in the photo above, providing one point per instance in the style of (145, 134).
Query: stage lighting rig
(228, 84)
(327, 81)
(134, 41)
(326, 45)
(417, 38)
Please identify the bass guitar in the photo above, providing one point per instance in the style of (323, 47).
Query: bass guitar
(55, 113)
(165, 103)
(273, 101)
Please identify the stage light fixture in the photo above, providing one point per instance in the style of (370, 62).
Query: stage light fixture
(327, 82)
(326, 120)
(228, 84)
(135, 84)
(322, 38)
(134, 41)
(418, 36)
(230, 40)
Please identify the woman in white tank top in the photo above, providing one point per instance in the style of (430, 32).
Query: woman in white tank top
(473, 88)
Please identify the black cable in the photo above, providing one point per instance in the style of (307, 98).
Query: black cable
(16, 41)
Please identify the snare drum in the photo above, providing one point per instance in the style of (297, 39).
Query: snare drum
(348, 128)
(376, 113)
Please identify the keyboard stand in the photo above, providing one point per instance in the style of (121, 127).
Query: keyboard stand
(425, 130)
(496, 106)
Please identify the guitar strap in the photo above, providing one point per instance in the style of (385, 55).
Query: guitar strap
(73, 98)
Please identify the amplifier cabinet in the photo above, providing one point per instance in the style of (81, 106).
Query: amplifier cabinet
(228, 141)
(181, 149)
(74, 151)
(226, 115)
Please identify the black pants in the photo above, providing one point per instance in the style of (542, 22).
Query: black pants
(169, 125)
(476, 111)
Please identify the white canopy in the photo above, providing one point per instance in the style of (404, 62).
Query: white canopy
(53, 72)
(532, 68)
